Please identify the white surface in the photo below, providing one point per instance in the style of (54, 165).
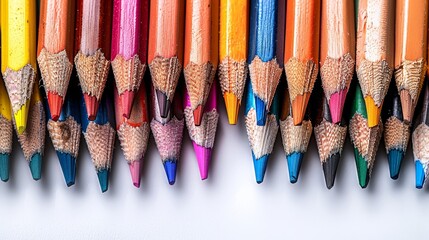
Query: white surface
(229, 205)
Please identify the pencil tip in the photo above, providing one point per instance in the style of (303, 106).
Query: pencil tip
(260, 165)
(299, 106)
(170, 167)
(373, 112)
(294, 161)
(395, 157)
(36, 166)
(21, 117)
(127, 98)
(261, 111)
(198, 115)
(336, 105)
(406, 104)
(163, 104)
(68, 166)
(204, 156)
(91, 104)
(135, 167)
(330, 169)
(362, 169)
(55, 103)
(232, 107)
(103, 179)
(420, 174)
(4, 167)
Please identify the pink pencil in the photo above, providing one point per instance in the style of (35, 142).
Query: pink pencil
(203, 136)
(129, 48)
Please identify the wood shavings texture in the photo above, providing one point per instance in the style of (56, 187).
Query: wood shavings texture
(337, 74)
(165, 74)
(420, 143)
(92, 71)
(168, 138)
(56, 70)
(374, 79)
(329, 138)
(100, 140)
(409, 76)
(5, 135)
(396, 134)
(203, 135)
(65, 135)
(295, 138)
(300, 76)
(32, 140)
(232, 76)
(199, 79)
(128, 73)
(133, 141)
(261, 138)
(19, 85)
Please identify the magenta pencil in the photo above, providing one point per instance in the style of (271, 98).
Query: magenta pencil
(129, 48)
(203, 136)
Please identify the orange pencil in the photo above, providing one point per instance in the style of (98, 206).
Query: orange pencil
(201, 52)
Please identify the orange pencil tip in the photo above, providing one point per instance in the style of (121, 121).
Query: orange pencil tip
(232, 107)
(198, 115)
(127, 98)
(372, 111)
(91, 104)
(299, 106)
(407, 106)
(55, 103)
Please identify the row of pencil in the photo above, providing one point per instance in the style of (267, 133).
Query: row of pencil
(243, 43)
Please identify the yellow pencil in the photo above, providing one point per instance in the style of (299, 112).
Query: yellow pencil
(5, 132)
(18, 52)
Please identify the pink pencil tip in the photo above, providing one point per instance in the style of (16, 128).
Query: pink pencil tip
(127, 98)
(204, 156)
(135, 173)
(336, 105)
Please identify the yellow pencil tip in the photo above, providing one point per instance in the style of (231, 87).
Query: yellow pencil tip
(21, 118)
(232, 107)
(372, 111)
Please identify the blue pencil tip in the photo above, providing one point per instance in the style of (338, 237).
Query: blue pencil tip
(260, 166)
(395, 157)
(170, 167)
(420, 175)
(260, 111)
(294, 161)
(36, 166)
(103, 179)
(68, 166)
(4, 167)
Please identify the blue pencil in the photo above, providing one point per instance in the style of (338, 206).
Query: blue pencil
(266, 52)
(100, 136)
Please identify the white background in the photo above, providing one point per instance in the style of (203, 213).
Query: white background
(229, 205)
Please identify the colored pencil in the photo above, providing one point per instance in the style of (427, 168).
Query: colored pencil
(301, 53)
(396, 131)
(330, 139)
(133, 133)
(19, 55)
(233, 39)
(32, 140)
(410, 52)
(129, 48)
(337, 53)
(265, 54)
(55, 50)
(168, 133)
(364, 139)
(100, 137)
(295, 138)
(375, 53)
(92, 47)
(65, 133)
(203, 136)
(420, 140)
(201, 52)
(261, 138)
(6, 132)
(165, 54)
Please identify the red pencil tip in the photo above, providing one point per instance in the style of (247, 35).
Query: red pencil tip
(91, 103)
(198, 115)
(127, 98)
(55, 103)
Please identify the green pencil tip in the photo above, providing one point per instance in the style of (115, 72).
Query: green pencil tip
(362, 169)
(4, 167)
(36, 166)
